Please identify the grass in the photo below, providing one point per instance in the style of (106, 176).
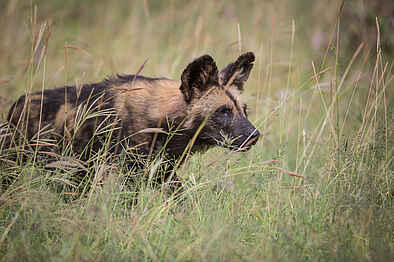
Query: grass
(325, 114)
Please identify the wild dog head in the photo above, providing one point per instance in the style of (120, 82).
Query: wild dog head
(214, 102)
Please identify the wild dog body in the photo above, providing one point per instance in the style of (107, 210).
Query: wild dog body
(204, 106)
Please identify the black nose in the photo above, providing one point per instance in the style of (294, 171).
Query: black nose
(254, 137)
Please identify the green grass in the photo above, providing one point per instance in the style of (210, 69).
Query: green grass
(324, 116)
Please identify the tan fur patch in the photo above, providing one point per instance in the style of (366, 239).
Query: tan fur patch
(64, 117)
(154, 99)
(149, 102)
(35, 97)
(216, 98)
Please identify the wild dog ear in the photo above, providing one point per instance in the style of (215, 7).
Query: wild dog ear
(198, 76)
(240, 68)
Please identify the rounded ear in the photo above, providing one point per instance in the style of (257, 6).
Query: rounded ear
(198, 76)
(240, 69)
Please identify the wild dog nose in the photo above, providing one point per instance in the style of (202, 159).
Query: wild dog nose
(254, 137)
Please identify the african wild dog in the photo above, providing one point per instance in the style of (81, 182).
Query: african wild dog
(145, 114)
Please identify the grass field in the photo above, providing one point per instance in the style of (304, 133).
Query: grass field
(324, 106)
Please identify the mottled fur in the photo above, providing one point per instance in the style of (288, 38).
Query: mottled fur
(128, 110)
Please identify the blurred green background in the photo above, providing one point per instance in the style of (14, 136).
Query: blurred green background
(319, 92)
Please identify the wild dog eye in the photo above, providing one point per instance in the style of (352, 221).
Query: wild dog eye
(224, 110)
